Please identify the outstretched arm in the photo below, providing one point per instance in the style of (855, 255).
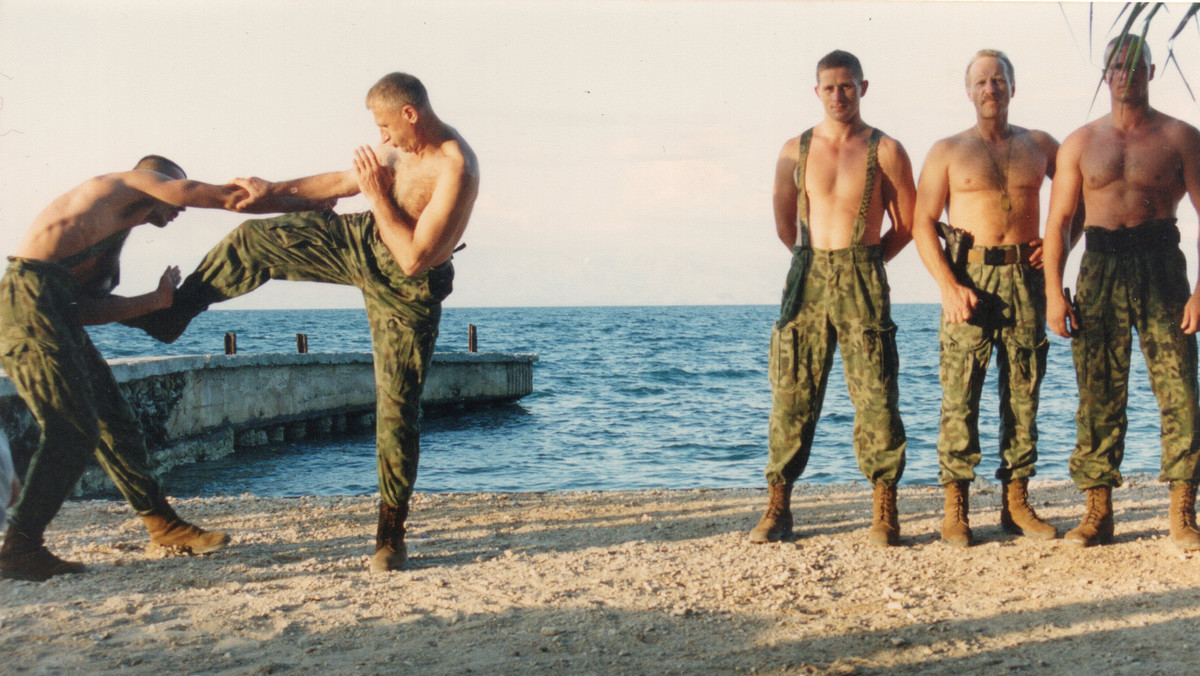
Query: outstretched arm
(182, 192)
(421, 245)
(958, 301)
(233, 196)
(899, 195)
(112, 308)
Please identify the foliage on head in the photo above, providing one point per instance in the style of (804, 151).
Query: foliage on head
(1137, 46)
(995, 54)
(840, 59)
(396, 90)
(160, 164)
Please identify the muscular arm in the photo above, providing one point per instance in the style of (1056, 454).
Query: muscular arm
(1060, 236)
(418, 247)
(785, 193)
(899, 195)
(958, 301)
(182, 192)
(319, 187)
(1190, 154)
(1050, 146)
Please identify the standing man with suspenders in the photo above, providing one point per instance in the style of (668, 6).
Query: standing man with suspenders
(833, 185)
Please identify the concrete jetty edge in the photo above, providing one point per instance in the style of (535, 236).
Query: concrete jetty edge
(201, 407)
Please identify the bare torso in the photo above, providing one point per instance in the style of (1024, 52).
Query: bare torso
(835, 177)
(974, 174)
(418, 175)
(1131, 176)
(85, 215)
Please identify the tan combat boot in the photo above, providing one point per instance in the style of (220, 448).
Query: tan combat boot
(1017, 517)
(23, 557)
(171, 533)
(776, 523)
(885, 521)
(1097, 525)
(390, 550)
(1183, 516)
(956, 527)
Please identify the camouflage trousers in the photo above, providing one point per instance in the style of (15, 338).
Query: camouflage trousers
(71, 392)
(844, 303)
(403, 311)
(1010, 317)
(1143, 289)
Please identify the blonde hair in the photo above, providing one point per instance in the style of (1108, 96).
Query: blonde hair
(995, 54)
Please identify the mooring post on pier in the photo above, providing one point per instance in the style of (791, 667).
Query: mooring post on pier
(472, 343)
(302, 343)
(230, 343)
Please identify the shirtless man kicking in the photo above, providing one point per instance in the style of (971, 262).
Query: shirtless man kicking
(61, 278)
(421, 182)
(988, 179)
(833, 185)
(1134, 166)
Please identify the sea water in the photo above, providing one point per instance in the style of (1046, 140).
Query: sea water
(623, 398)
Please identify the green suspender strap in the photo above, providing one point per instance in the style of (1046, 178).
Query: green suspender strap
(793, 288)
(860, 222)
(108, 272)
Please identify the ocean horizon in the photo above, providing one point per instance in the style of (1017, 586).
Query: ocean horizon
(624, 397)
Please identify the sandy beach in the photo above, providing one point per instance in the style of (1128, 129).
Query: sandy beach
(647, 582)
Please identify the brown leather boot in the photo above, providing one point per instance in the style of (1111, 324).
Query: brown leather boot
(776, 523)
(173, 534)
(1017, 517)
(23, 557)
(956, 526)
(885, 520)
(1183, 516)
(1097, 525)
(390, 550)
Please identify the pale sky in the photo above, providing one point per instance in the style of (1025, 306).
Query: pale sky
(627, 148)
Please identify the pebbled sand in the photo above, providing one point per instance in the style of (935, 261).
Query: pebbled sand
(646, 582)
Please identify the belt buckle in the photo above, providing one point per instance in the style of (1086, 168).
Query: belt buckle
(995, 256)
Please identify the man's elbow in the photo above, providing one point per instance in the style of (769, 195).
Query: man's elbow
(415, 263)
(412, 269)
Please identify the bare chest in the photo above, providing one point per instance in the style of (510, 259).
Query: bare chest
(836, 176)
(1129, 162)
(415, 182)
(1019, 164)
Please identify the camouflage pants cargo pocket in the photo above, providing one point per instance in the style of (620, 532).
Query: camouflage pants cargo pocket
(798, 368)
(965, 352)
(872, 364)
(1119, 293)
(1022, 360)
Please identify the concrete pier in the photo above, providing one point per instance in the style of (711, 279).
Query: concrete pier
(207, 406)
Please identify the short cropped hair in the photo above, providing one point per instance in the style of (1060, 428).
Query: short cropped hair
(398, 90)
(158, 163)
(840, 59)
(995, 54)
(1135, 41)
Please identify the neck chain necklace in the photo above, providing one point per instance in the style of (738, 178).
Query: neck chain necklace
(1001, 174)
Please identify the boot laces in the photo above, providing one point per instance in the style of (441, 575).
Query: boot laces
(1095, 509)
